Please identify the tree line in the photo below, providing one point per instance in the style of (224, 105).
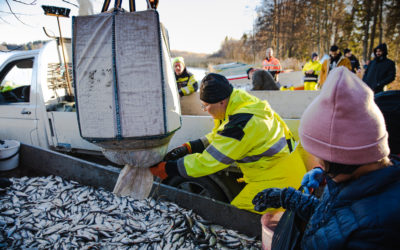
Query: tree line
(296, 28)
(7, 47)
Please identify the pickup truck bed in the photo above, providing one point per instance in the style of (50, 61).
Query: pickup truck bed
(35, 161)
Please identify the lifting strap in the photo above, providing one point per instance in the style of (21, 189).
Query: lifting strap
(151, 4)
(132, 6)
(106, 4)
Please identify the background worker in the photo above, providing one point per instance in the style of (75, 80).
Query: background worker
(355, 64)
(247, 131)
(263, 80)
(380, 71)
(250, 72)
(336, 60)
(185, 80)
(311, 71)
(272, 64)
(359, 208)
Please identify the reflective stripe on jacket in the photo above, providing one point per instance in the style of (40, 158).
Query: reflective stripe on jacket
(252, 135)
(186, 82)
(272, 64)
(316, 67)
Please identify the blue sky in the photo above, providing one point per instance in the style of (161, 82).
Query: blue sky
(193, 25)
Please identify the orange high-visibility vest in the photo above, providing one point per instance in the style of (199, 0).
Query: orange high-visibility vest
(272, 65)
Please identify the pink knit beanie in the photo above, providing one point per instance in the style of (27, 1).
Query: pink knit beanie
(343, 124)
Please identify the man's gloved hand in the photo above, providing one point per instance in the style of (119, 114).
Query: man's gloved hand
(178, 152)
(159, 170)
(312, 179)
(268, 198)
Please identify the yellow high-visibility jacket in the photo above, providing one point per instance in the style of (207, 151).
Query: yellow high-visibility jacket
(316, 67)
(311, 80)
(253, 136)
(186, 82)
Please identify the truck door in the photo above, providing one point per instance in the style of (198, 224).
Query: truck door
(17, 103)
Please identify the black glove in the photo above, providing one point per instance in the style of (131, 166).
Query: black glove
(288, 198)
(268, 198)
(178, 152)
(4, 182)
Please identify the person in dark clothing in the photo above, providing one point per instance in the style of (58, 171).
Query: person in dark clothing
(380, 71)
(389, 103)
(263, 80)
(355, 64)
(359, 208)
(250, 72)
(336, 60)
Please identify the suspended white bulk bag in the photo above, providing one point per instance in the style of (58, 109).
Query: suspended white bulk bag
(125, 87)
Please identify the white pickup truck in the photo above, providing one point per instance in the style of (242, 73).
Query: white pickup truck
(35, 109)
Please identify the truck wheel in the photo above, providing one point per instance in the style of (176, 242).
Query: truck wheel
(203, 186)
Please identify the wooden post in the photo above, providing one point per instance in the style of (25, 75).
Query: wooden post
(65, 60)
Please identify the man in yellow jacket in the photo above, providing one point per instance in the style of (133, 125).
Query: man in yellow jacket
(311, 72)
(336, 60)
(247, 131)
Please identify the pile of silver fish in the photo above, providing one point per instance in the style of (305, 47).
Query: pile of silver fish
(50, 212)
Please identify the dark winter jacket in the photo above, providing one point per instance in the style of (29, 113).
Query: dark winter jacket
(263, 80)
(359, 214)
(355, 64)
(380, 71)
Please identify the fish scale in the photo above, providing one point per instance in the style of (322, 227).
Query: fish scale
(63, 214)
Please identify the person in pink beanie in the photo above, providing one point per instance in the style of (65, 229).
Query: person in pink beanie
(359, 209)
